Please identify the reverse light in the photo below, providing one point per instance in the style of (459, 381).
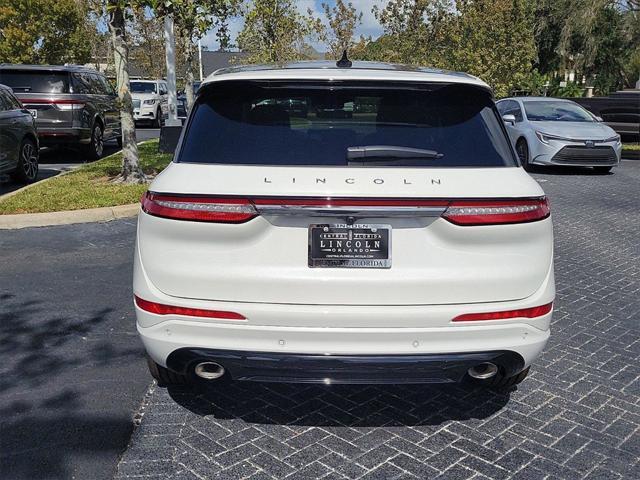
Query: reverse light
(199, 209)
(161, 309)
(532, 312)
(497, 212)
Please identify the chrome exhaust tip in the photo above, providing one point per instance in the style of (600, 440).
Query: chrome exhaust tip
(483, 371)
(209, 370)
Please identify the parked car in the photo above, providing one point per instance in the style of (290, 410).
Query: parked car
(73, 106)
(182, 101)
(150, 101)
(554, 131)
(402, 245)
(620, 110)
(19, 149)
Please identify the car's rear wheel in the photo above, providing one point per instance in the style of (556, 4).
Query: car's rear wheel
(164, 376)
(602, 170)
(95, 148)
(522, 149)
(157, 122)
(27, 169)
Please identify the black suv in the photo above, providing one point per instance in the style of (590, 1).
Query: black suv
(72, 105)
(18, 139)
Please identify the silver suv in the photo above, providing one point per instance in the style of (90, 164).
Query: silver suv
(72, 105)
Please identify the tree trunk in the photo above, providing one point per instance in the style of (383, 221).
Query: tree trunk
(188, 57)
(131, 171)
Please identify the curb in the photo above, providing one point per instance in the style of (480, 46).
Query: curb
(102, 214)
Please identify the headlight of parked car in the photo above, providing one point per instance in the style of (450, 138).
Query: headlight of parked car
(615, 138)
(545, 137)
(151, 101)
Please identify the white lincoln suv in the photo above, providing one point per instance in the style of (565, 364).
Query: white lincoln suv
(332, 223)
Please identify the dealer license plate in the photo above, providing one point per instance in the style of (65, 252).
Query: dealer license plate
(350, 246)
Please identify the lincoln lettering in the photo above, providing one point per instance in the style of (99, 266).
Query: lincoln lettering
(349, 245)
(353, 181)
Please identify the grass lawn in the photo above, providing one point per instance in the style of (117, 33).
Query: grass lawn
(89, 186)
(631, 147)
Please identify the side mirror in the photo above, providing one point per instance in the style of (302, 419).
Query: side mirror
(599, 119)
(509, 119)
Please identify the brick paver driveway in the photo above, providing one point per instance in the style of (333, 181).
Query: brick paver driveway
(576, 416)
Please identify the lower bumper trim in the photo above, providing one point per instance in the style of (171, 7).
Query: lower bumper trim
(343, 369)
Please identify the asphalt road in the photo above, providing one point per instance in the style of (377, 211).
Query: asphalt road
(54, 161)
(71, 371)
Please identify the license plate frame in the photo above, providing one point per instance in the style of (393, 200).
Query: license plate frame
(335, 255)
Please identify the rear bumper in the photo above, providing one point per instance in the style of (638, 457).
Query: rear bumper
(378, 355)
(347, 369)
(60, 136)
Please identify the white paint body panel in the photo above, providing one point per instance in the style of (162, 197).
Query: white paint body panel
(259, 268)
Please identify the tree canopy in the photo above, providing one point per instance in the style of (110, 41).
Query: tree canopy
(275, 31)
(45, 31)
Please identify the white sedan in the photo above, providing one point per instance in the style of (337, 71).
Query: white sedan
(553, 131)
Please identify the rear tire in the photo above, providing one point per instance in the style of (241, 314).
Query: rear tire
(602, 170)
(27, 169)
(164, 376)
(522, 149)
(157, 122)
(95, 148)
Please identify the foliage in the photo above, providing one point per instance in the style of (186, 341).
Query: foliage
(415, 32)
(147, 44)
(570, 90)
(533, 83)
(274, 31)
(90, 186)
(343, 19)
(595, 39)
(45, 31)
(493, 40)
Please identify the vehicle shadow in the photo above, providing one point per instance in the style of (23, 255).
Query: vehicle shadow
(573, 171)
(39, 446)
(49, 414)
(340, 405)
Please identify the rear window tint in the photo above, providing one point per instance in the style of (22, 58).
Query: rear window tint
(317, 124)
(35, 81)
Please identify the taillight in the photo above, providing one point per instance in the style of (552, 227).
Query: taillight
(60, 104)
(161, 309)
(200, 209)
(497, 212)
(532, 312)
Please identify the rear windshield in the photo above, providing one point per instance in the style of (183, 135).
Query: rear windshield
(35, 81)
(345, 124)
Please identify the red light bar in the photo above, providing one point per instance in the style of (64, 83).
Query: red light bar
(200, 209)
(160, 309)
(532, 312)
(497, 212)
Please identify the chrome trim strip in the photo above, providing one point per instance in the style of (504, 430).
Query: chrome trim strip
(355, 211)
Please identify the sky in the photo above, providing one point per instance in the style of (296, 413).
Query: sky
(369, 26)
